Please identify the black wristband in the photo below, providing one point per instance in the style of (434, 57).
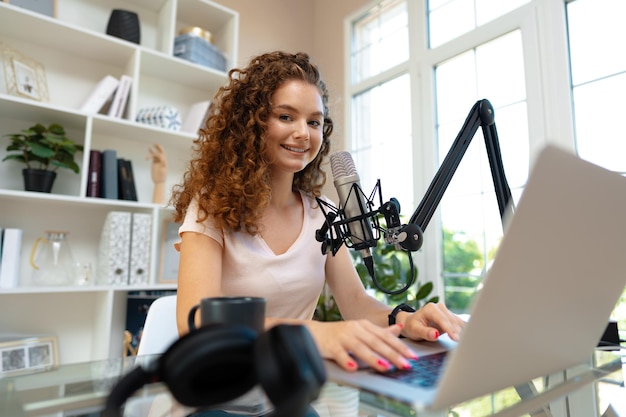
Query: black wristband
(395, 311)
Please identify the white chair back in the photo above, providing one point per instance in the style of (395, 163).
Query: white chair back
(160, 329)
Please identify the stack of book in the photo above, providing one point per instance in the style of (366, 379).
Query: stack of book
(110, 176)
(109, 96)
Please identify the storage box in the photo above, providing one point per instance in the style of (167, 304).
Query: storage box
(199, 51)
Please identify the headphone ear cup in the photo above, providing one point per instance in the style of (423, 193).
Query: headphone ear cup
(211, 365)
(289, 368)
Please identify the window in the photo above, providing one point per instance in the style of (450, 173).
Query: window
(381, 103)
(539, 64)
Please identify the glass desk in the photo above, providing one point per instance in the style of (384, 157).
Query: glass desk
(81, 390)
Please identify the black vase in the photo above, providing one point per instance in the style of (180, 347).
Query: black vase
(38, 180)
(124, 24)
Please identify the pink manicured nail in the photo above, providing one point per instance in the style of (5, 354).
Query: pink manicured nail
(435, 335)
(351, 364)
(384, 364)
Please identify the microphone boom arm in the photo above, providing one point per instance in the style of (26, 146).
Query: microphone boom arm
(481, 114)
(409, 237)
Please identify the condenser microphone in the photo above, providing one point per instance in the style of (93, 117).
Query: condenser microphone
(353, 206)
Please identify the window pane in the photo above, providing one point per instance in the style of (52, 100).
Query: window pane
(600, 135)
(501, 70)
(596, 36)
(469, 209)
(599, 79)
(488, 10)
(456, 88)
(381, 143)
(380, 40)
(449, 19)
(493, 71)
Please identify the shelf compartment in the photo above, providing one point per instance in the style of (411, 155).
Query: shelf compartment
(25, 26)
(17, 115)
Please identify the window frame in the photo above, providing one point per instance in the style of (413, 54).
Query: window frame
(543, 27)
(550, 116)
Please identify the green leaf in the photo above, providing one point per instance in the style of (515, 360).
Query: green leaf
(424, 290)
(40, 150)
(57, 129)
(19, 158)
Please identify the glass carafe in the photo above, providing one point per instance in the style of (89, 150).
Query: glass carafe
(52, 260)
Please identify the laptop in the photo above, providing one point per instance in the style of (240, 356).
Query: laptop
(545, 301)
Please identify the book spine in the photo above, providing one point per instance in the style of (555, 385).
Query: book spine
(140, 248)
(109, 174)
(100, 95)
(94, 179)
(126, 181)
(118, 104)
(131, 181)
(114, 249)
(11, 257)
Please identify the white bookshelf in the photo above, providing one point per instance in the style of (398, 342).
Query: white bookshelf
(76, 53)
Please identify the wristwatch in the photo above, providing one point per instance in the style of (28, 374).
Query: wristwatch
(394, 313)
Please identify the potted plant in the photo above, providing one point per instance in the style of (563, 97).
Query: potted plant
(43, 150)
(391, 269)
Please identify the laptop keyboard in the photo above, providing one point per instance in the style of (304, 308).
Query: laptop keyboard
(424, 372)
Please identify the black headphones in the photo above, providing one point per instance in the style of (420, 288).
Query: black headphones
(219, 363)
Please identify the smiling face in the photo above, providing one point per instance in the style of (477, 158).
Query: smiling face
(294, 127)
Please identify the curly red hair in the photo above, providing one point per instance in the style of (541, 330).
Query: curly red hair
(229, 172)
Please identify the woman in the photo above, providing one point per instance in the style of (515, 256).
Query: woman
(247, 203)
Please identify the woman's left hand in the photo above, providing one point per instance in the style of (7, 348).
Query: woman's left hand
(431, 321)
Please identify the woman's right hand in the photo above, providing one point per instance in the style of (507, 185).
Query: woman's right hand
(346, 341)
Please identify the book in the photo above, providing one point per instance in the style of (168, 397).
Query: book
(195, 118)
(114, 249)
(11, 257)
(94, 176)
(100, 95)
(109, 174)
(118, 104)
(126, 180)
(140, 244)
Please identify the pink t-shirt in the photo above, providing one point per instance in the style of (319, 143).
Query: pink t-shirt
(290, 282)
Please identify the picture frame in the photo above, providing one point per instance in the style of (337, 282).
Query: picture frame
(28, 354)
(168, 268)
(45, 7)
(24, 76)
